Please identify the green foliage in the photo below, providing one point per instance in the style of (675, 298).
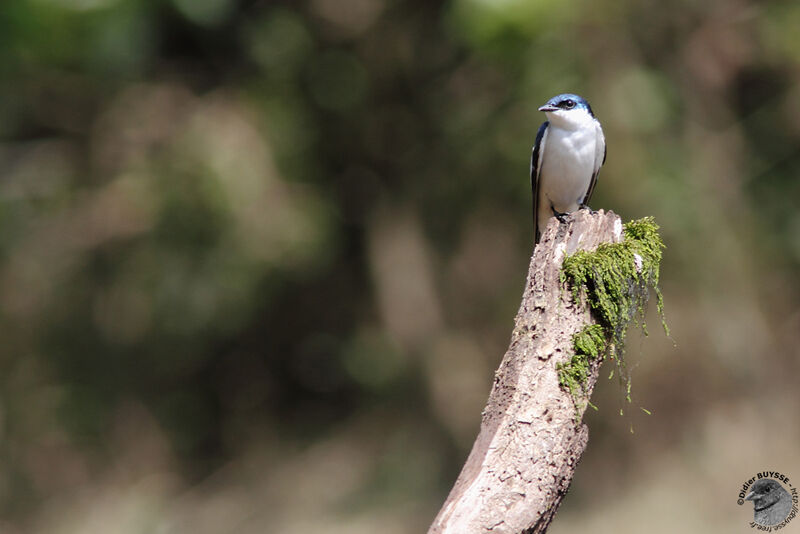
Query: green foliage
(615, 279)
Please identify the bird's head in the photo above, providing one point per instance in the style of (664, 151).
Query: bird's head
(568, 111)
(765, 493)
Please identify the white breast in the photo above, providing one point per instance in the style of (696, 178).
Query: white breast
(567, 165)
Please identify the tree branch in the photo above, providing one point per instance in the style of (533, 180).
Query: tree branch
(531, 437)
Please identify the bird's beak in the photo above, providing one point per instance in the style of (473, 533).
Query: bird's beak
(749, 496)
(547, 107)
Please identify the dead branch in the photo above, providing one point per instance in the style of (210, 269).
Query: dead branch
(531, 437)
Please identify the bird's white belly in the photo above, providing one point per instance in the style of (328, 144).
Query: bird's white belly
(567, 168)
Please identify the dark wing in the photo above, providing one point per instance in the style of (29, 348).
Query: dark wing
(537, 149)
(598, 163)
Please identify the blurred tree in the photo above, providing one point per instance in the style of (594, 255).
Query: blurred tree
(230, 226)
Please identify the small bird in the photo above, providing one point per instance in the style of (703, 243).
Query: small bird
(771, 502)
(569, 150)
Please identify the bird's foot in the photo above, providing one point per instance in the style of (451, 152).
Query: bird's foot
(562, 217)
(586, 207)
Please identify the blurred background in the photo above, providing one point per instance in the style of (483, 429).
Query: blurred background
(259, 259)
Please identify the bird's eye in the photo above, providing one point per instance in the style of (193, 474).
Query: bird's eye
(767, 489)
(569, 104)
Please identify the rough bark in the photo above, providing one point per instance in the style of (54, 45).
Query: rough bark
(531, 437)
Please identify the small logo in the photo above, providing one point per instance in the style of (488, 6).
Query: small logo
(774, 498)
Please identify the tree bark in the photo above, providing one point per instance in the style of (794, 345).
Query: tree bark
(531, 434)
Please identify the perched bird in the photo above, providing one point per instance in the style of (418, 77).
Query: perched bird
(569, 150)
(771, 502)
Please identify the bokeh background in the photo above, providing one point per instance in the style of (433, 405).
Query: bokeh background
(259, 259)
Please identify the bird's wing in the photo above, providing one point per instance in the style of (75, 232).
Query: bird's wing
(536, 166)
(599, 159)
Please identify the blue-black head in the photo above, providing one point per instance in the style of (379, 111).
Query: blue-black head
(567, 102)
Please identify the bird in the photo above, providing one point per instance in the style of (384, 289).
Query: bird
(566, 158)
(771, 502)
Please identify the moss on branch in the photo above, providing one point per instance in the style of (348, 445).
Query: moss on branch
(589, 344)
(615, 279)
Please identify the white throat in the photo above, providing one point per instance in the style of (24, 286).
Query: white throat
(572, 119)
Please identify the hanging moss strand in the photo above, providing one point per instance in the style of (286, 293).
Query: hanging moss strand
(616, 280)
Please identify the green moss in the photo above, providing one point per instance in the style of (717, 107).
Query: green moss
(616, 280)
(589, 344)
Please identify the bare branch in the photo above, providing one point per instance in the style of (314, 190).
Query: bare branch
(531, 437)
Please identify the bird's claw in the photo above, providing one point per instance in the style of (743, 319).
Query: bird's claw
(562, 217)
(586, 207)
